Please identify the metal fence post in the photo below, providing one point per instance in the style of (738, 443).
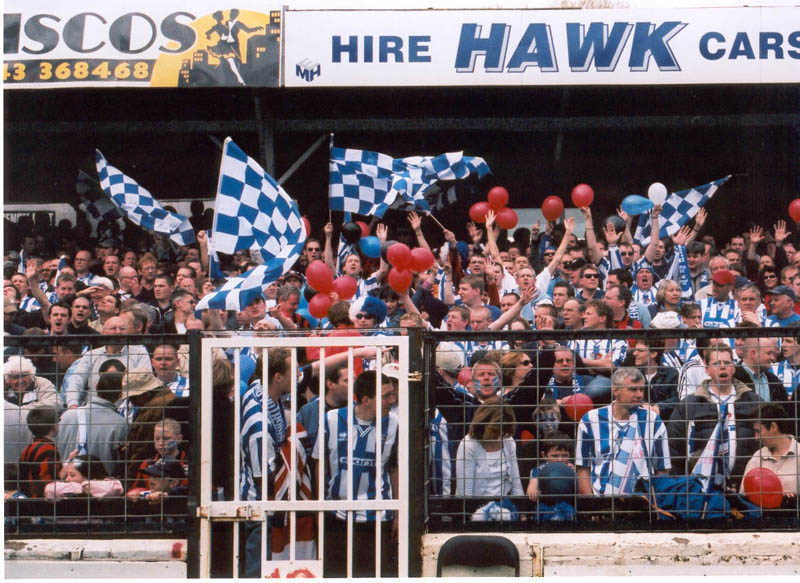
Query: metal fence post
(193, 503)
(418, 433)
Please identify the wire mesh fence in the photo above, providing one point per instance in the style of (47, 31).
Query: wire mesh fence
(620, 429)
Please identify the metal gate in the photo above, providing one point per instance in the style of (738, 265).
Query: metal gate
(233, 509)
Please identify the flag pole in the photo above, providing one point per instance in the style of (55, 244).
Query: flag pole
(435, 220)
(330, 155)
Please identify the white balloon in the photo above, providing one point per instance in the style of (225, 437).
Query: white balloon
(657, 193)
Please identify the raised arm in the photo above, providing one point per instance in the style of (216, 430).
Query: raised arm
(699, 221)
(327, 253)
(416, 225)
(591, 240)
(569, 226)
(526, 297)
(491, 237)
(34, 275)
(655, 231)
(202, 242)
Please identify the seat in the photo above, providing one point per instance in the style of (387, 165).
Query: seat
(478, 556)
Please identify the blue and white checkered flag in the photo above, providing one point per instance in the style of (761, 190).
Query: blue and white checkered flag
(253, 212)
(678, 209)
(367, 183)
(237, 292)
(140, 207)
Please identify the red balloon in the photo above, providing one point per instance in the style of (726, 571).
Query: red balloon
(307, 223)
(552, 207)
(477, 212)
(577, 405)
(465, 375)
(794, 210)
(364, 228)
(399, 255)
(506, 218)
(400, 279)
(345, 287)
(582, 195)
(498, 198)
(421, 259)
(763, 487)
(319, 276)
(319, 305)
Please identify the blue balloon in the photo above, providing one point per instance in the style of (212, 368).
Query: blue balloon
(370, 246)
(305, 314)
(635, 205)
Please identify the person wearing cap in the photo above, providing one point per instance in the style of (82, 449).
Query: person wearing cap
(782, 299)
(720, 309)
(293, 279)
(10, 306)
(96, 426)
(164, 478)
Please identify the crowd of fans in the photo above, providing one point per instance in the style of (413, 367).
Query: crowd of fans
(96, 417)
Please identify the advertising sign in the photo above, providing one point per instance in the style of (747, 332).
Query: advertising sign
(541, 47)
(152, 45)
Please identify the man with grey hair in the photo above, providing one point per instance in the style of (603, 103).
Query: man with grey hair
(622, 442)
(84, 378)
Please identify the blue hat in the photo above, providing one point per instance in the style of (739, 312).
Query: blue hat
(371, 305)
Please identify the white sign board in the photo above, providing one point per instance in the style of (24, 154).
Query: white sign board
(541, 47)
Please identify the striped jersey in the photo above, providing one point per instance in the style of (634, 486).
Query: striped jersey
(788, 373)
(720, 314)
(252, 439)
(595, 348)
(619, 452)
(364, 478)
(180, 386)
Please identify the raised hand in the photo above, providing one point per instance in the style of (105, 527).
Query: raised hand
(490, 217)
(780, 232)
(569, 225)
(382, 232)
(449, 236)
(612, 237)
(700, 217)
(682, 235)
(756, 235)
(415, 221)
(328, 230)
(623, 215)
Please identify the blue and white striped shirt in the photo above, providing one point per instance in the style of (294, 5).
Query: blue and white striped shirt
(595, 348)
(720, 314)
(602, 447)
(364, 479)
(252, 437)
(788, 373)
(180, 386)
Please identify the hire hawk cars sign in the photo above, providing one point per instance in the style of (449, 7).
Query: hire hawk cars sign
(140, 44)
(541, 47)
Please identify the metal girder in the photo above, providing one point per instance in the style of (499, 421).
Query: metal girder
(400, 124)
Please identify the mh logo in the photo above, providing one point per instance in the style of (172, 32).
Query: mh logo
(307, 70)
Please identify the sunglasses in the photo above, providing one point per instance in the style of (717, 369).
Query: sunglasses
(626, 253)
(549, 253)
(770, 276)
(591, 275)
(364, 317)
(525, 362)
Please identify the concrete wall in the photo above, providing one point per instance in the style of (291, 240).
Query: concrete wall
(87, 559)
(667, 553)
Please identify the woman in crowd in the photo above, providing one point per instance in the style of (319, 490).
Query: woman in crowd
(486, 462)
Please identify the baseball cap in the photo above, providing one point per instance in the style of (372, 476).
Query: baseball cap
(449, 357)
(782, 290)
(724, 277)
(166, 468)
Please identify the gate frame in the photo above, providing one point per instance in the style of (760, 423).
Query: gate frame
(410, 496)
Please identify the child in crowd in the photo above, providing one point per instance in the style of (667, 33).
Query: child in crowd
(164, 479)
(554, 447)
(38, 462)
(83, 476)
(167, 439)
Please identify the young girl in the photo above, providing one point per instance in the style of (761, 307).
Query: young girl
(83, 476)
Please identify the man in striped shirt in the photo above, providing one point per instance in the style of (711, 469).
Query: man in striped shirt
(622, 442)
(332, 445)
(279, 382)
